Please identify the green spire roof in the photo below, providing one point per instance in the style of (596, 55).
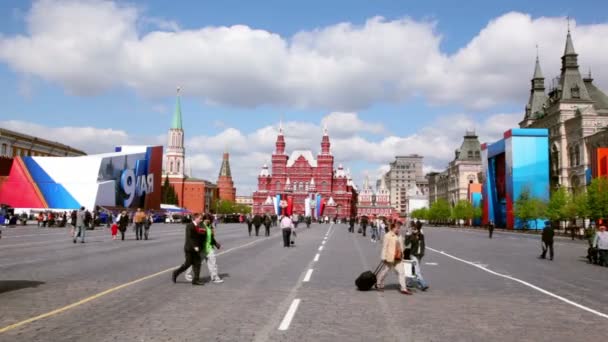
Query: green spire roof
(177, 115)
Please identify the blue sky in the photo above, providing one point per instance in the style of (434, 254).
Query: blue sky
(421, 74)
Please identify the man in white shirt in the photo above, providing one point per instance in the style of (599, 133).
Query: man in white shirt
(286, 226)
(601, 243)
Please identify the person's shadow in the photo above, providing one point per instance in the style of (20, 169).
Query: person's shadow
(13, 285)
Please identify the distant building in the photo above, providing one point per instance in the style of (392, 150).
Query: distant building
(405, 174)
(225, 185)
(196, 195)
(573, 110)
(374, 203)
(13, 144)
(302, 178)
(245, 200)
(452, 184)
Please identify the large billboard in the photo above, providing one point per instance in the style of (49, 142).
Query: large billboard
(130, 177)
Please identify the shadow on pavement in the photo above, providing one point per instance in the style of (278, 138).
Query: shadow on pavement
(13, 285)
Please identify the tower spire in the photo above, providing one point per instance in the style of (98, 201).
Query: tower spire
(571, 82)
(177, 114)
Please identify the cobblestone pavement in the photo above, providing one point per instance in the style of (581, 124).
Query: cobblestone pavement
(41, 270)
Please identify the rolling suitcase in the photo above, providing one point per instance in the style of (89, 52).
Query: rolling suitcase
(367, 279)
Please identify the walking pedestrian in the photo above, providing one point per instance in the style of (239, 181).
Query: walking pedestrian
(257, 222)
(267, 223)
(192, 249)
(374, 236)
(601, 244)
(547, 241)
(208, 251)
(351, 224)
(364, 222)
(249, 221)
(114, 230)
(123, 222)
(286, 227)
(417, 247)
(491, 228)
(138, 220)
(392, 255)
(148, 220)
(80, 225)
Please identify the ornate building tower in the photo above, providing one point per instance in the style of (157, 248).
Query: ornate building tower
(174, 167)
(225, 185)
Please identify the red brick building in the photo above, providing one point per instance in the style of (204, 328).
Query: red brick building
(193, 194)
(300, 176)
(225, 185)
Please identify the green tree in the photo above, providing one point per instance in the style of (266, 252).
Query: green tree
(168, 194)
(581, 203)
(463, 210)
(420, 214)
(529, 208)
(440, 211)
(556, 208)
(597, 198)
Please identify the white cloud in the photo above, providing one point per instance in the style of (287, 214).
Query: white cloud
(88, 139)
(344, 124)
(91, 46)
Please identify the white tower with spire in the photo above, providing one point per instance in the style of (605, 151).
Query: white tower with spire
(175, 153)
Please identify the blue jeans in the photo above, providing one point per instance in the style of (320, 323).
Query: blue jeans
(375, 235)
(418, 280)
(81, 230)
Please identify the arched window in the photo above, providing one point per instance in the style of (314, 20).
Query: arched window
(554, 159)
(477, 154)
(4, 149)
(470, 154)
(577, 155)
(178, 166)
(278, 185)
(324, 186)
(171, 166)
(306, 186)
(301, 186)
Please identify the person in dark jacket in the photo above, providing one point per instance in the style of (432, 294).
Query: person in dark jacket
(547, 241)
(257, 222)
(267, 223)
(249, 221)
(123, 222)
(192, 249)
(364, 223)
(417, 247)
(351, 224)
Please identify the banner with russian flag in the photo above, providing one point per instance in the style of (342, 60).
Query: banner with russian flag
(318, 206)
(289, 209)
(276, 201)
(307, 207)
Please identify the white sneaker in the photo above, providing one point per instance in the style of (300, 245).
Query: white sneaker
(218, 281)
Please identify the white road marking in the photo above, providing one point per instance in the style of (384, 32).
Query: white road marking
(321, 248)
(289, 315)
(431, 263)
(308, 275)
(525, 283)
(323, 242)
(317, 257)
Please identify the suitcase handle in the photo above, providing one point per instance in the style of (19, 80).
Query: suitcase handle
(379, 267)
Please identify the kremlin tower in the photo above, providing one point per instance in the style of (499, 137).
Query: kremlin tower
(225, 185)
